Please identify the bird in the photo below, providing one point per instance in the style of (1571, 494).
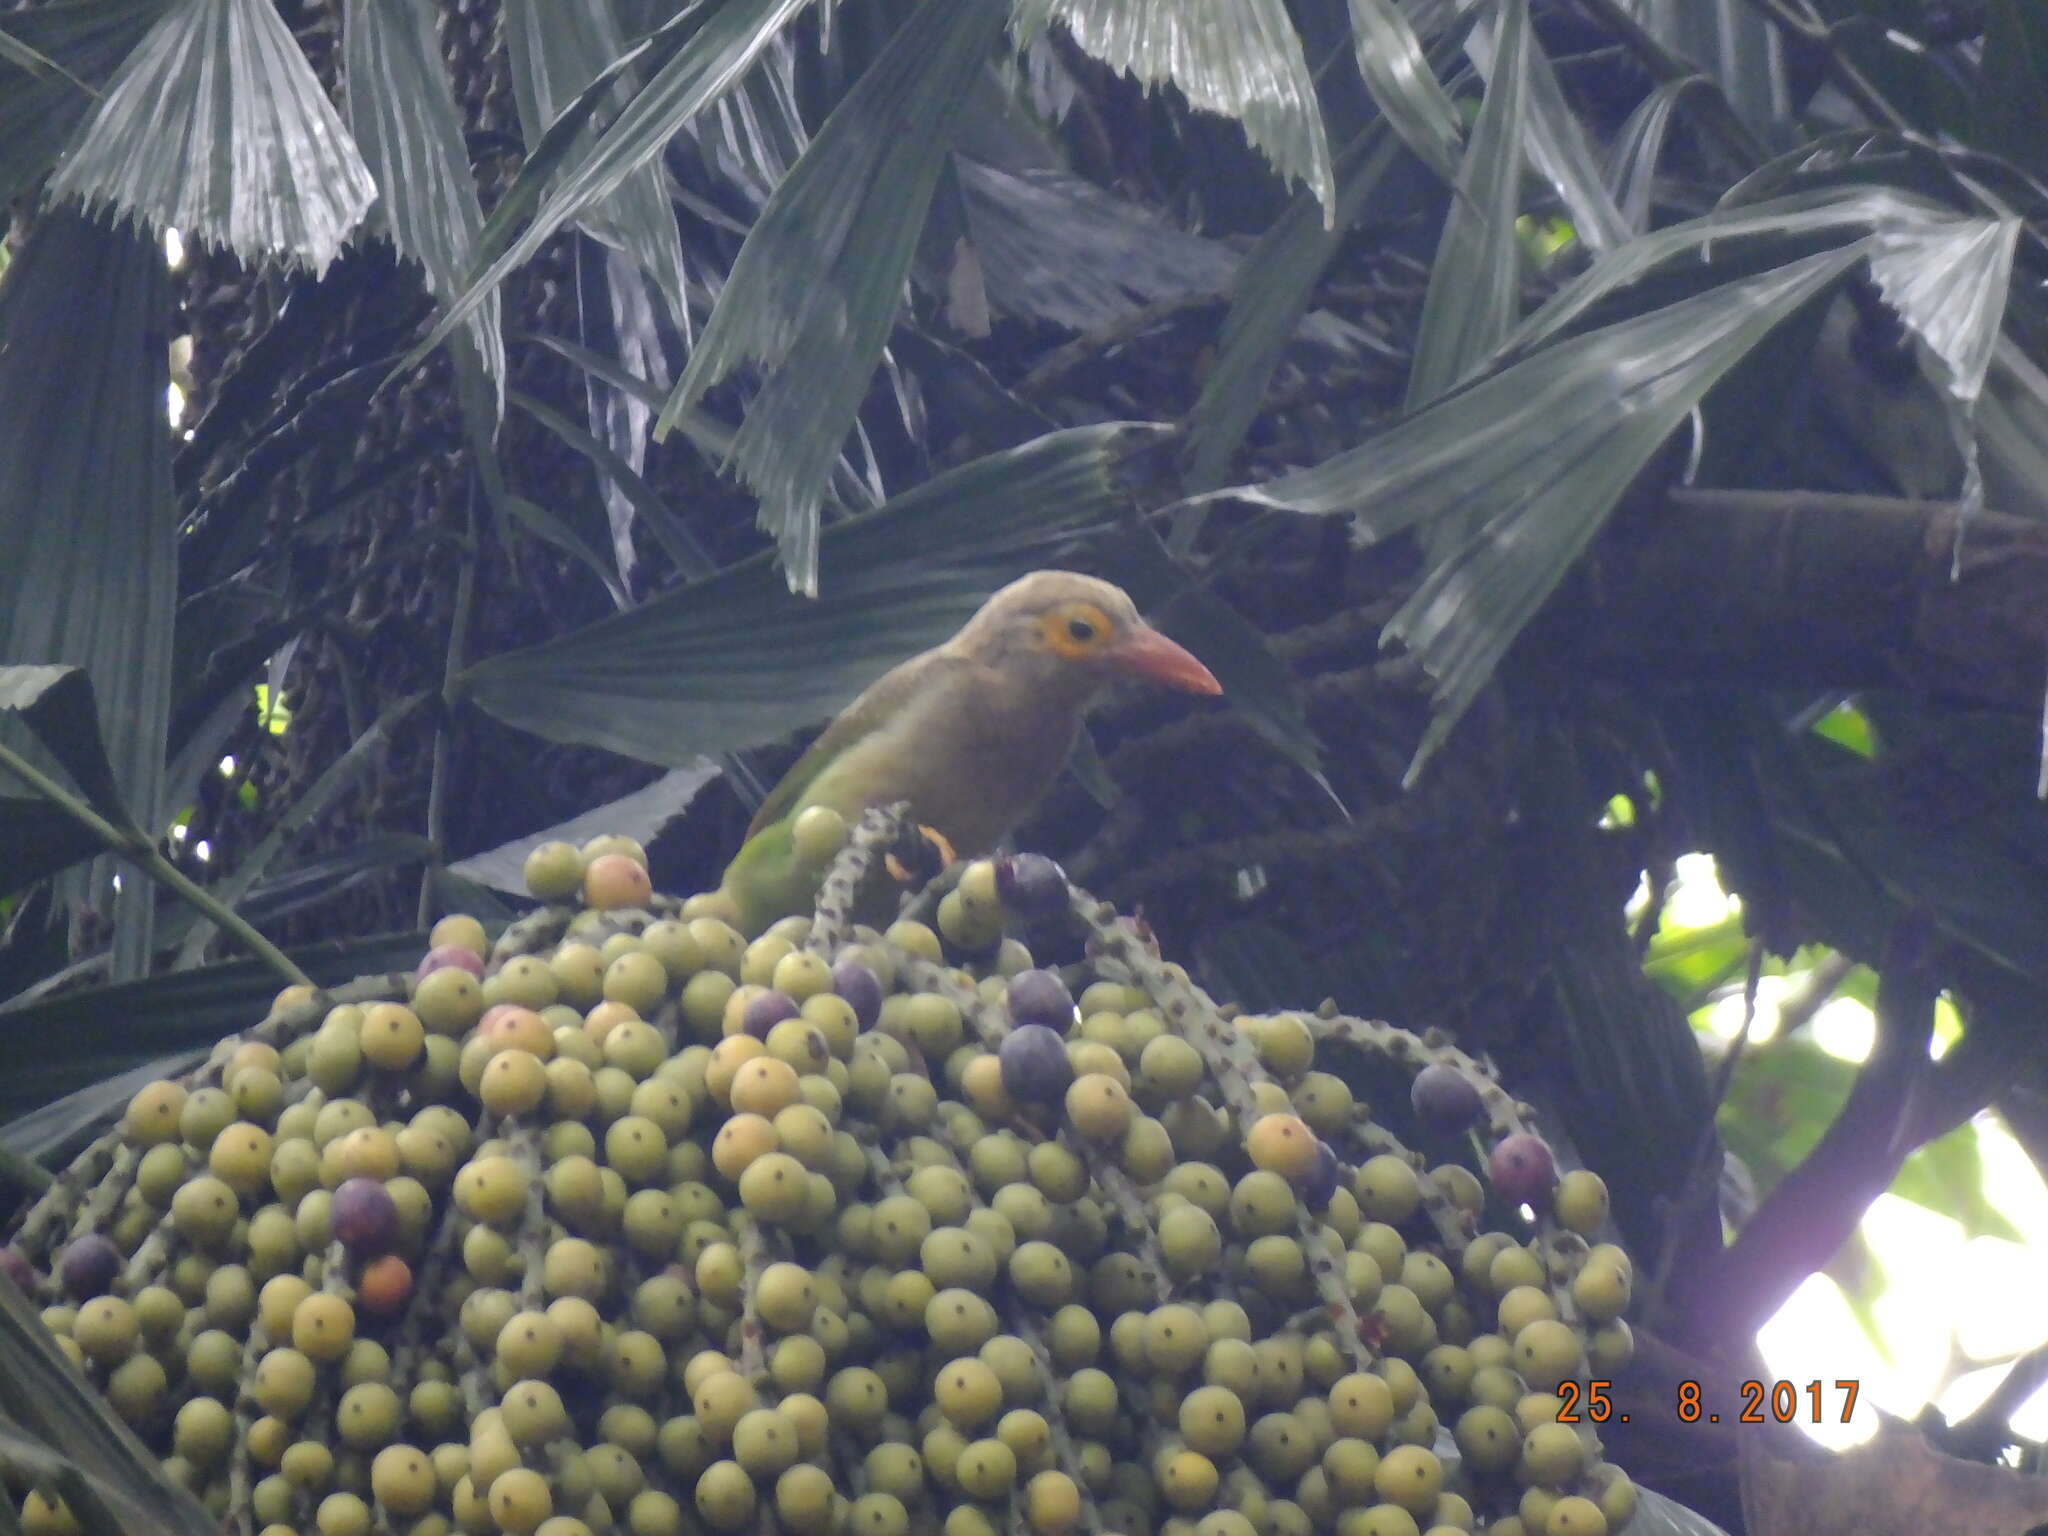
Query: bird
(971, 733)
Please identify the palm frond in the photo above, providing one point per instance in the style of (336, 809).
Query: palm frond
(410, 132)
(216, 126)
(819, 281)
(86, 511)
(1241, 59)
(555, 52)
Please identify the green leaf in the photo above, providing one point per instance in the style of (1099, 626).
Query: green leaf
(307, 883)
(86, 510)
(1259, 966)
(1272, 292)
(37, 844)
(56, 703)
(29, 60)
(818, 283)
(555, 51)
(1783, 1097)
(697, 57)
(672, 530)
(1946, 1176)
(2015, 65)
(1793, 222)
(410, 132)
(1787, 1093)
(1475, 280)
(1091, 772)
(1948, 283)
(40, 109)
(1056, 248)
(55, 1426)
(1860, 1277)
(2012, 423)
(736, 660)
(712, 437)
(63, 1127)
(1404, 87)
(1848, 726)
(1543, 450)
(517, 513)
(1556, 145)
(217, 126)
(1645, 375)
(1689, 963)
(644, 814)
(454, 893)
(1241, 59)
(1633, 157)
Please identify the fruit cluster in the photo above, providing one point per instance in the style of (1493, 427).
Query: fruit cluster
(627, 1222)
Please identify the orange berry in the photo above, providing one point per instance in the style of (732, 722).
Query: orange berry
(385, 1285)
(1282, 1144)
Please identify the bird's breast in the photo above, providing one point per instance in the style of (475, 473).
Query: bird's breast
(975, 776)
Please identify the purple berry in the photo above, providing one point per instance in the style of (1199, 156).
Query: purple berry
(1319, 1185)
(364, 1217)
(862, 991)
(18, 1269)
(1522, 1168)
(1034, 1064)
(442, 956)
(89, 1266)
(1031, 885)
(1446, 1100)
(766, 1011)
(1040, 997)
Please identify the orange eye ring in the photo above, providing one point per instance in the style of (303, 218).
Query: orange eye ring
(1076, 630)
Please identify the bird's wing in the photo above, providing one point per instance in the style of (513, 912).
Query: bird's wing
(881, 702)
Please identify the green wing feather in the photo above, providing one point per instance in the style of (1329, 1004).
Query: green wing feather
(875, 707)
(764, 878)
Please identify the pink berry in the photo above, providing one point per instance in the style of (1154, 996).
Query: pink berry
(1522, 1168)
(444, 955)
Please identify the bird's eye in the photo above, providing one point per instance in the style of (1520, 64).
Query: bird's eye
(1077, 631)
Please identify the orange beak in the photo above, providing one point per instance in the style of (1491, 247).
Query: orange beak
(1150, 655)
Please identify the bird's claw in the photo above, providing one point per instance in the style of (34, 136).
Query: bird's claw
(922, 853)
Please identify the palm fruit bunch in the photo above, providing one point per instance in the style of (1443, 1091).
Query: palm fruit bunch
(628, 1223)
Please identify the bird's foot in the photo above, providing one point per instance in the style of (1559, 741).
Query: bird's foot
(921, 854)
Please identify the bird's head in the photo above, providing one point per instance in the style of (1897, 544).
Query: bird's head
(1074, 633)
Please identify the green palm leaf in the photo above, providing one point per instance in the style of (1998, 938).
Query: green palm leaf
(86, 510)
(1475, 280)
(1949, 284)
(1241, 59)
(555, 52)
(1404, 87)
(60, 1432)
(736, 660)
(1543, 450)
(41, 106)
(702, 54)
(818, 283)
(217, 126)
(1556, 145)
(405, 119)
